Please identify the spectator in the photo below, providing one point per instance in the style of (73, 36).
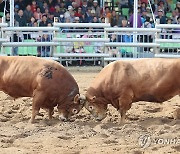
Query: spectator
(40, 4)
(68, 46)
(147, 23)
(68, 3)
(95, 20)
(120, 18)
(84, 6)
(21, 4)
(107, 14)
(114, 19)
(169, 30)
(75, 6)
(143, 16)
(143, 6)
(72, 17)
(79, 46)
(124, 38)
(16, 9)
(96, 8)
(44, 22)
(160, 18)
(62, 7)
(51, 5)
(33, 6)
(8, 18)
(57, 11)
(78, 3)
(174, 17)
(45, 50)
(45, 7)
(68, 12)
(46, 12)
(164, 6)
(50, 18)
(78, 13)
(102, 20)
(61, 18)
(99, 46)
(88, 15)
(90, 3)
(149, 13)
(147, 38)
(38, 14)
(31, 24)
(20, 18)
(113, 51)
(28, 13)
(123, 4)
(92, 15)
(83, 19)
(139, 21)
(16, 38)
(144, 1)
(59, 2)
(66, 29)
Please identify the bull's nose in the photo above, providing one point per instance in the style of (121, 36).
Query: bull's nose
(63, 118)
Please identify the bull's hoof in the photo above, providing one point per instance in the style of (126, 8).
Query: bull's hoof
(32, 121)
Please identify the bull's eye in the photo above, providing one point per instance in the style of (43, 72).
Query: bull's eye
(74, 111)
(91, 108)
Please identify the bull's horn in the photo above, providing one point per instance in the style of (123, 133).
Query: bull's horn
(82, 97)
(76, 98)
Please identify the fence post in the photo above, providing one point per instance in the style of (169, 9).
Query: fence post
(54, 50)
(156, 49)
(106, 37)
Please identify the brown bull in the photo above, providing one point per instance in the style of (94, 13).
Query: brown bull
(123, 82)
(48, 82)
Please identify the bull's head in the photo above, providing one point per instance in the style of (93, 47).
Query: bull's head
(71, 107)
(97, 106)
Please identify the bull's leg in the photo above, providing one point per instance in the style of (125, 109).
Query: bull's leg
(50, 112)
(38, 99)
(35, 111)
(125, 103)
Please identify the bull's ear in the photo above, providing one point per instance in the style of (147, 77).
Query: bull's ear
(76, 98)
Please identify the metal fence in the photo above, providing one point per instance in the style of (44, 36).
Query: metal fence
(91, 38)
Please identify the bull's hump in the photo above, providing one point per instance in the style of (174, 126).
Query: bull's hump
(47, 71)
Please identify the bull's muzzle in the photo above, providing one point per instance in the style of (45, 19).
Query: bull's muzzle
(61, 117)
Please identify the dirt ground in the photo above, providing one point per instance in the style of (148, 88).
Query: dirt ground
(150, 127)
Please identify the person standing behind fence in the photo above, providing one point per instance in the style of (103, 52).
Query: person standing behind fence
(45, 50)
(68, 46)
(16, 38)
(78, 46)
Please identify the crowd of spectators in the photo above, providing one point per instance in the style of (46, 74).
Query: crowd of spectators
(35, 13)
(42, 12)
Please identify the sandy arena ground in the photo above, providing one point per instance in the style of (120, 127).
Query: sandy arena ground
(149, 129)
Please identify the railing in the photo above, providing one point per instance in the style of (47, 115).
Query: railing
(162, 41)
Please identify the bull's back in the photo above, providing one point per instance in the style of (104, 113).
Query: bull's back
(154, 79)
(21, 75)
(149, 79)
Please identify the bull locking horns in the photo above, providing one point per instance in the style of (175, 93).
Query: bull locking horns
(76, 98)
